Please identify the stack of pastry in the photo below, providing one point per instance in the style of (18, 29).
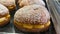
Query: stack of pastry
(32, 17)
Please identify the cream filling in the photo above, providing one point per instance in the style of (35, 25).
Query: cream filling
(4, 18)
(28, 26)
(11, 7)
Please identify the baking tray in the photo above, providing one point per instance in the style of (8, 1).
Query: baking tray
(10, 28)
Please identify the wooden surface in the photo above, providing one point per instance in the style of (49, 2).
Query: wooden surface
(55, 15)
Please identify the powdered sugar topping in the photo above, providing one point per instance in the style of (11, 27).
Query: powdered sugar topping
(32, 14)
(3, 10)
(7, 2)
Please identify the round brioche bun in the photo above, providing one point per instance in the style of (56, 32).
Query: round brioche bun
(10, 4)
(32, 18)
(4, 15)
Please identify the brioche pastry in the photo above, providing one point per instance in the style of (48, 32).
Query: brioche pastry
(4, 15)
(10, 4)
(32, 18)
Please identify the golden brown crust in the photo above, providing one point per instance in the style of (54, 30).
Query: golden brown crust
(12, 7)
(4, 20)
(40, 29)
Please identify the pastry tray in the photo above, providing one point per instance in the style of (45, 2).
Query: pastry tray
(10, 28)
